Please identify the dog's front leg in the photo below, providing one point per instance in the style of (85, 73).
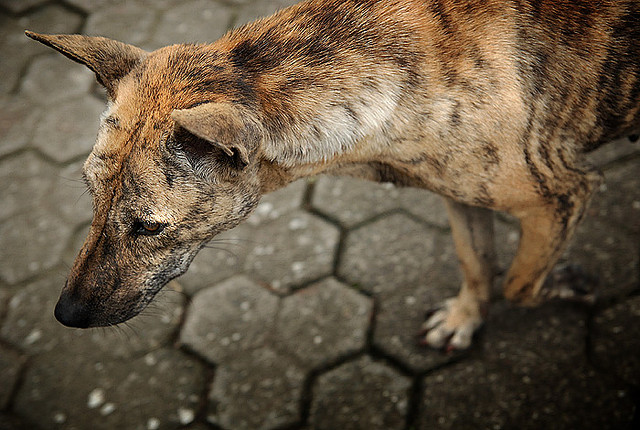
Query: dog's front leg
(452, 325)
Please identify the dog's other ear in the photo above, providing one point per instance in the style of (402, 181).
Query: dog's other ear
(223, 125)
(109, 59)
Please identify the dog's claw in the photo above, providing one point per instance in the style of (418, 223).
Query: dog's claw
(450, 327)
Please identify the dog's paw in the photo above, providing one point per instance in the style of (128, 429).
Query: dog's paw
(569, 282)
(451, 326)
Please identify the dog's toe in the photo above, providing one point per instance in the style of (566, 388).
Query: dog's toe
(451, 326)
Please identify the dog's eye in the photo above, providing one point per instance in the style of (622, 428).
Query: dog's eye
(146, 228)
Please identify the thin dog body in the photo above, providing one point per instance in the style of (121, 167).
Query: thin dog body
(490, 104)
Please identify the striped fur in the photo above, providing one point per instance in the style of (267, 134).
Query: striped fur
(488, 103)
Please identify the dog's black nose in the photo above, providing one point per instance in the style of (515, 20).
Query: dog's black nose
(71, 312)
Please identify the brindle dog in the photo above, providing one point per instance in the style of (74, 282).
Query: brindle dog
(489, 103)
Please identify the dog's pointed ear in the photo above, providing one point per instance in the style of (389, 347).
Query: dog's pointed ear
(223, 125)
(109, 59)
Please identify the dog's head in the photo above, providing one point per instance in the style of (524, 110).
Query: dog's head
(175, 163)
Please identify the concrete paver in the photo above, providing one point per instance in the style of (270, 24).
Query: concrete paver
(259, 390)
(219, 260)
(68, 196)
(31, 327)
(20, 175)
(10, 364)
(618, 201)
(323, 323)
(395, 250)
(305, 316)
(76, 389)
(17, 121)
(529, 377)
(334, 197)
(602, 249)
(192, 21)
(50, 19)
(50, 79)
(615, 343)
(248, 10)
(292, 250)
(278, 203)
(73, 133)
(360, 394)
(229, 319)
(46, 234)
(130, 21)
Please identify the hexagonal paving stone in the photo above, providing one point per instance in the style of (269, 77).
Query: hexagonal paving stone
(31, 243)
(613, 151)
(52, 78)
(69, 197)
(392, 251)
(52, 19)
(425, 205)
(532, 375)
(24, 183)
(360, 394)
(222, 258)
(292, 250)
(606, 252)
(30, 324)
(226, 254)
(401, 312)
(5, 294)
(569, 398)
(615, 340)
(10, 364)
(192, 21)
(352, 201)
(618, 200)
(229, 319)
(252, 10)
(411, 269)
(89, 5)
(79, 390)
(19, 48)
(94, 5)
(399, 320)
(28, 183)
(73, 249)
(278, 203)
(19, 6)
(323, 322)
(17, 121)
(70, 130)
(256, 391)
(127, 21)
(9, 421)
(507, 237)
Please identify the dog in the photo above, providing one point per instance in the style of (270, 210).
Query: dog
(490, 104)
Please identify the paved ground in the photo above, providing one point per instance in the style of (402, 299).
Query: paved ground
(302, 318)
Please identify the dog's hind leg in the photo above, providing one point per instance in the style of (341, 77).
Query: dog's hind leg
(546, 228)
(452, 325)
